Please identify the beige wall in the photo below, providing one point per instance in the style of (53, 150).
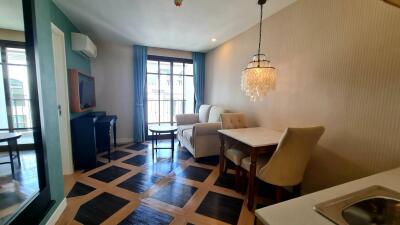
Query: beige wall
(113, 71)
(339, 66)
(12, 35)
(170, 53)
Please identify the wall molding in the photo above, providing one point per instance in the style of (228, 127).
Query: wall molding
(57, 213)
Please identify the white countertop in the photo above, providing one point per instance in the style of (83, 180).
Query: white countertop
(300, 210)
(255, 136)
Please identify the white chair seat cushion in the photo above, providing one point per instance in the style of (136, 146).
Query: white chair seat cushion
(188, 135)
(261, 161)
(235, 155)
(182, 128)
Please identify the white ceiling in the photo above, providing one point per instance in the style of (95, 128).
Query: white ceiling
(11, 15)
(158, 23)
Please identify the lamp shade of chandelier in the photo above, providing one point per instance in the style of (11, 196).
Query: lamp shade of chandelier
(259, 77)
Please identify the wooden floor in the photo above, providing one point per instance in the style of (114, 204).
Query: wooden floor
(14, 193)
(134, 189)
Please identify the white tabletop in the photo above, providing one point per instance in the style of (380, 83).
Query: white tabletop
(255, 136)
(9, 136)
(301, 209)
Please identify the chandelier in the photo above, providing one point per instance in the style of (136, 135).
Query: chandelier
(178, 3)
(259, 77)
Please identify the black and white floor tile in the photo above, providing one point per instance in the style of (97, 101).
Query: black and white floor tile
(137, 189)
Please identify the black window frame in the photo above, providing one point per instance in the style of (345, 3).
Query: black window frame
(4, 44)
(170, 60)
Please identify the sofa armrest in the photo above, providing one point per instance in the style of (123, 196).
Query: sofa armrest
(185, 119)
(200, 129)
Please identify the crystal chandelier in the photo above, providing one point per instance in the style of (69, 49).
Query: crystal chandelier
(178, 3)
(259, 77)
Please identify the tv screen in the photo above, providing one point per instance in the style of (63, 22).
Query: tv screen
(86, 91)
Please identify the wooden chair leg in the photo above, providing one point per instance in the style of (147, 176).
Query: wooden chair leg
(278, 194)
(297, 190)
(237, 178)
(243, 181)
(225, 167)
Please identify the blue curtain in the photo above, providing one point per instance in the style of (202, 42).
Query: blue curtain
(199, 71)
(139, 81)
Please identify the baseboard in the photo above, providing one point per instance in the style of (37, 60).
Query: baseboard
(57, 213)
(124, 140)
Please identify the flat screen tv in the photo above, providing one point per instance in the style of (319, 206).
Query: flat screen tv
(81, 91)
(86, 92)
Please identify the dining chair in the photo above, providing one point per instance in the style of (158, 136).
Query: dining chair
(286, 166)
(234, 152)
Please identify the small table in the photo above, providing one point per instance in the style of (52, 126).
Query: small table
(258, 140)
(163, 129)
(11, 138)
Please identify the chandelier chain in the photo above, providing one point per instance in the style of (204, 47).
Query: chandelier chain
(260, 34)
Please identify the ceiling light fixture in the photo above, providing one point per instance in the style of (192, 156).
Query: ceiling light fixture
(259, 77)
(213, 39)
(178, 3)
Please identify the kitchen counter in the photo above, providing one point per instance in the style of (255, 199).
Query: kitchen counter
(300, 210)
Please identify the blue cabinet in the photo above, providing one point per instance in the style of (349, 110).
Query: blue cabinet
(90, 135)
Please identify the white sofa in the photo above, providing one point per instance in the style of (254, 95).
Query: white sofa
(198, 133)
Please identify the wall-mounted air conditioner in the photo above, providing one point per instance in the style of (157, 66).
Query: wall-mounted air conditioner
(83, 44)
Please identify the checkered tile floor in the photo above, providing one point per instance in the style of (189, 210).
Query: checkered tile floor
(134, 189)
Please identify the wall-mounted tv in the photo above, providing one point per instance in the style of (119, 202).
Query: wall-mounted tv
(81, 91)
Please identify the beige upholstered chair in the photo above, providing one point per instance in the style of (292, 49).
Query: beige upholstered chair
(287, 165)
(234, 152)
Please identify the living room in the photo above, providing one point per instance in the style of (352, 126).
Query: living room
(199, 112)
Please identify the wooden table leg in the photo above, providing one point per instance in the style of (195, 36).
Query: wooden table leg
(172, 144)
(10, 152)
(115, 133)
(252, 177)
(221, 154)
(152, 145)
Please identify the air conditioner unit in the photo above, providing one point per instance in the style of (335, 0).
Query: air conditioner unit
(83, 44)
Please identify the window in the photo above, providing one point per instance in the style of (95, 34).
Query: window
(170, 89)
(14, 91)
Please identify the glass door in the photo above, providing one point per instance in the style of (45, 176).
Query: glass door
(170, 89)
(15, 92)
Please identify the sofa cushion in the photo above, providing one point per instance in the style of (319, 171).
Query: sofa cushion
(182, 128)
(187, 134)
(204, 112)
(215, 113)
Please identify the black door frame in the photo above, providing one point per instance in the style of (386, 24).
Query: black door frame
(42, 202)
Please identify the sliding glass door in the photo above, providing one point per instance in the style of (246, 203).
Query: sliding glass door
(15, 91)
(170, 89)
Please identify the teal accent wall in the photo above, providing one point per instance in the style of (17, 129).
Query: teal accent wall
(46, 13)
(75, 60)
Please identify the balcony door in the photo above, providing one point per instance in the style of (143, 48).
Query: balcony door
(15, 108)
(170, 89)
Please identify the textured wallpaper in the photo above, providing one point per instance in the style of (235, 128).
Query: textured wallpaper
(339, 66)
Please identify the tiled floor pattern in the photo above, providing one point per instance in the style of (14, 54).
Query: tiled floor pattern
(133, 189)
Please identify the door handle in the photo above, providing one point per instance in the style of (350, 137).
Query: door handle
(59, 110)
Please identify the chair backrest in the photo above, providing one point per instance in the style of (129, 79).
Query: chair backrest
(233, 120)
(204, 112)
(215, 114)
(288, 163)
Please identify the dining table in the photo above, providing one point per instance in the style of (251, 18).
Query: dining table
(11, 139)
(257, 140)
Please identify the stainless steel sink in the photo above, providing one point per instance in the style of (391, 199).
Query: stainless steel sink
(375, 205)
